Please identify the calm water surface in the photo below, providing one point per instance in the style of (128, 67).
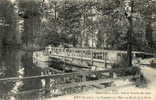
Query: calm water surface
(18, 63)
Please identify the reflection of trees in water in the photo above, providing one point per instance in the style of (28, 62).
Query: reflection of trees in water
(11, 62)
(30, 70)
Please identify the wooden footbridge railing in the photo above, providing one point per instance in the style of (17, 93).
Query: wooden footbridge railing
(65, 81)
(93, 55)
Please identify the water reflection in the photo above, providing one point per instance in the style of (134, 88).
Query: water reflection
(18, 63)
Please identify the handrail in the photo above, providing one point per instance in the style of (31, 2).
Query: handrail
(98, 50)
(72, 84)
(61, 75)
(93, 55)
(96, 82)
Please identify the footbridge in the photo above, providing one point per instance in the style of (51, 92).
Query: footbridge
(92, 57)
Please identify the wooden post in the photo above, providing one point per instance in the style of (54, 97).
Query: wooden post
(105, 55)
(83, 78)
(130, 32)
(111, 74)
(92, 57)
(81, 53)
(65, 54)
(47, 84)
(103, 58)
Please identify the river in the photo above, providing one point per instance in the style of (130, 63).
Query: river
(18, 63)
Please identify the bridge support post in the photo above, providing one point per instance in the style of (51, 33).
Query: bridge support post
(47, 85)
(81, 53)
(111, 74)
(83, 78)
(92, 57)
(105, 60)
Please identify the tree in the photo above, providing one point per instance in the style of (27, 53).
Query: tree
(8, 34)
(120, 23)
(29, 11)
(70, 14)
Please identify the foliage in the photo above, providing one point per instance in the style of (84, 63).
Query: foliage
(101, 24)
(7, 24)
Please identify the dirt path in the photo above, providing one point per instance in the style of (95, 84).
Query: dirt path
(150, 75)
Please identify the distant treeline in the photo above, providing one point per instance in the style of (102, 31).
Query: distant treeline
(82, 23)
